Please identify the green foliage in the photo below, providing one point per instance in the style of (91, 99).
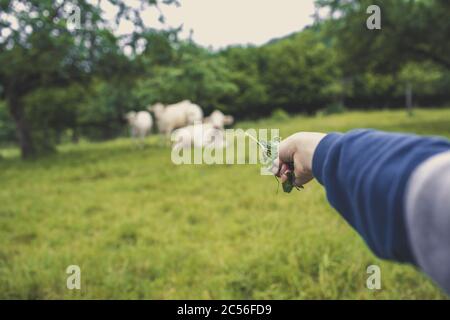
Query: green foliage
(52, 111)
(203, 79)
(247, 67)
(103, 206)
(424, 78)
(300, 72)
(279, 115)
(334, 108)
(411, 30)
(42, 51)
(58, 82)
(7, 132)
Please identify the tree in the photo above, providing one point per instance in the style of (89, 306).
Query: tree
(411, 30)
(301, 72)
(42, 46)
(420, 78)
(195, 74)
(7, 132)
(251, 98)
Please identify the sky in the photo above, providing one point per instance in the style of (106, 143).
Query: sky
(219, 23)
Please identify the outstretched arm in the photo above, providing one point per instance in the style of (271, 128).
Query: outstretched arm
(367, 177)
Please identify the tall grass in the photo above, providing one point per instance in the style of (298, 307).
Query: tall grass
(140, 227)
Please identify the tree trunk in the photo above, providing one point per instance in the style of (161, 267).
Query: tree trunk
(409, 99)
(75, 135)
(22, 128)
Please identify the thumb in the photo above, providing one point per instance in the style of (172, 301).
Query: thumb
(286, 151)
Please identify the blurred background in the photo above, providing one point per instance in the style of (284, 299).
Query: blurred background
(140, 227)
(61, 81)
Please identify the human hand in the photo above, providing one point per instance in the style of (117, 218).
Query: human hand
(295, 155)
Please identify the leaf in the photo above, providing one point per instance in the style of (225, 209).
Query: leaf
(270, 154)
(288, 185)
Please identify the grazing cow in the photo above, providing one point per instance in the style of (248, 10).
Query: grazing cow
(140, 123)
(176, 115)
(198, 135)
(219, 120)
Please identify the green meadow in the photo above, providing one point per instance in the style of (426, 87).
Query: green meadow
(139, 226)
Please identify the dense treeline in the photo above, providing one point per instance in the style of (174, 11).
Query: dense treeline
(58, 83)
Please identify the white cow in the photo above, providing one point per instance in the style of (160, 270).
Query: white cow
(219, 120)
(140, 123)
(198, 135)
(176, 115)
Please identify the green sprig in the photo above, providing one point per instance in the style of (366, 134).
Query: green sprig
(270, 154)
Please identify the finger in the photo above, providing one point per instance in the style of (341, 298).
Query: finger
(300, 181)
(275, 169)
(286, 150)
(283, 169)
(300, 175)
(284, 177)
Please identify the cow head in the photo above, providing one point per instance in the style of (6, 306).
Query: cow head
(130, 117)
(228, 120)
(157, 109)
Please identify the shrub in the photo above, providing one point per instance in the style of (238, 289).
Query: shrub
(334, 108)
(279, 115)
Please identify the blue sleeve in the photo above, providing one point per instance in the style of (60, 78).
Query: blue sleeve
(364, 173)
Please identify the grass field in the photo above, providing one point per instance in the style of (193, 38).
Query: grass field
(140, 227)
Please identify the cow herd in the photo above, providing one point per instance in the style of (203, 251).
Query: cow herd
(183, 122)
